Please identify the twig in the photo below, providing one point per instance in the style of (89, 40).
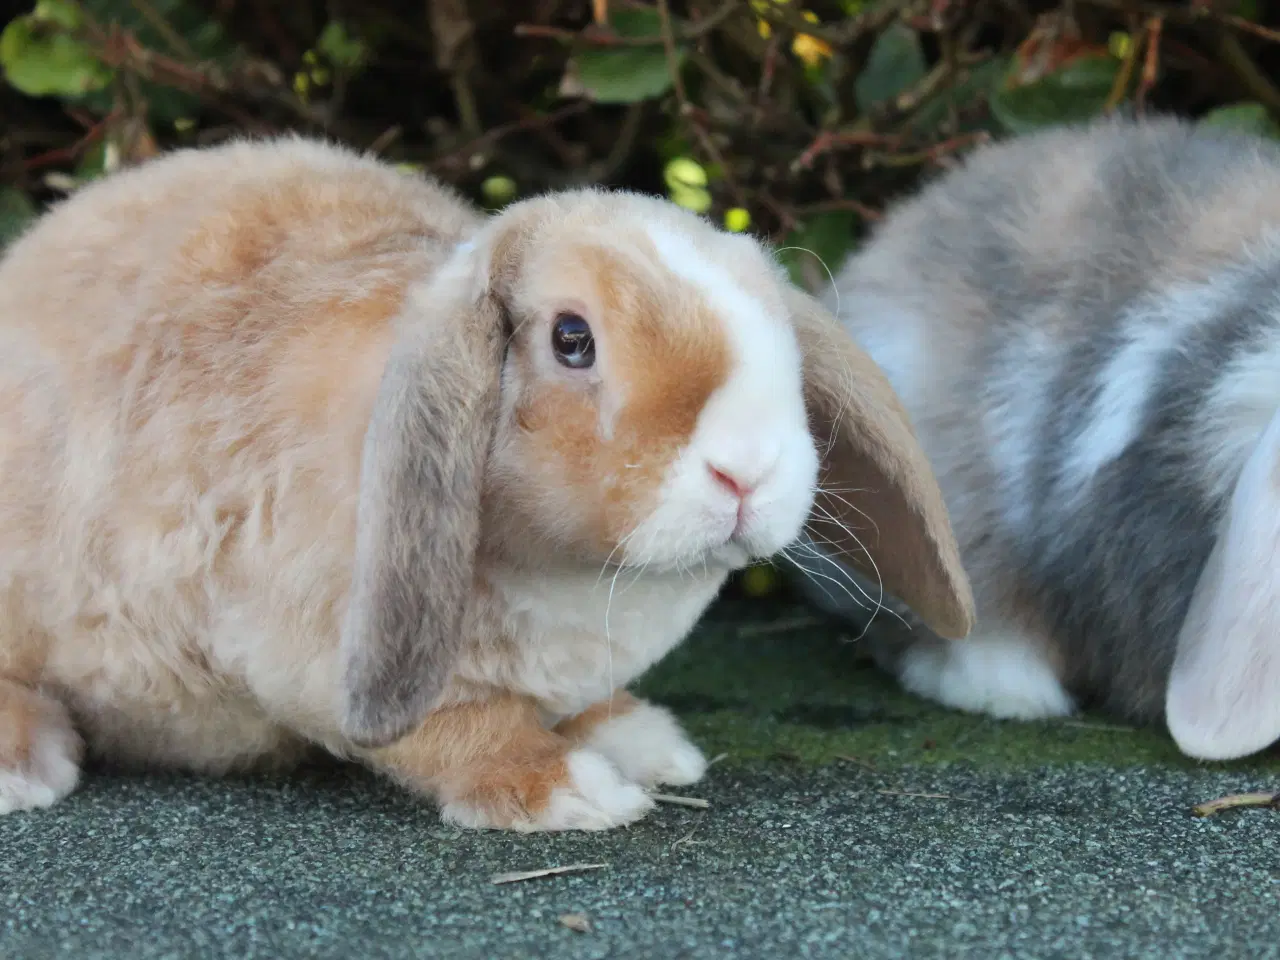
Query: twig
(688, 111)
(830, 140)
(385, 138)
(850, 758)
(1237, 59)
(162, 26)
(520, 875)
(494, 134)
(1247, 26)
(599, 35)
(1110, 727)
(927, 796)
(777, 626)
(1151, 66)
(844, 204)
(934, 81)
(696, 802)
(1191, 16)
(1125, 74)
(934, 154)
(72, 152)
(1210, 807)
(623, 146)
(851, 30)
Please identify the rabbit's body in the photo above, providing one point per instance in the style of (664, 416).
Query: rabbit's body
(184, 447)
(1084, 326)
(288, 461)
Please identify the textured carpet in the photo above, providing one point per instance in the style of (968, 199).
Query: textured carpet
(847, 820)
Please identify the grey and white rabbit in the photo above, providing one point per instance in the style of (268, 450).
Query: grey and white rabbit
(1084, 326)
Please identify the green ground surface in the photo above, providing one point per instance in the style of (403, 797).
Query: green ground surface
(846, 820)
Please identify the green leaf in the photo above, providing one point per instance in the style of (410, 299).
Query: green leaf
(1244, 117)
(626, 75)
(342, 49)
(825, 237)
(1075, 93)
(629, 74)
(895, 63)
(64, 13)
(971, 90)
(41, 59)
(201, 32)
(16, 212)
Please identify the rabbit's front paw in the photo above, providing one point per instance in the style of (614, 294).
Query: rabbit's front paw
(40, 750)
(580, 790)
(646, 743)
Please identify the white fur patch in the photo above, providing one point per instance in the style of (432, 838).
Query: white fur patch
(648, 746)
(52, 771)
(1001, 673)
(1236, 413)
(597, 798)
(1014, 417)
(1223, 699)
(753, 427)
(893, 337)
(586, 633)
(1153, 331)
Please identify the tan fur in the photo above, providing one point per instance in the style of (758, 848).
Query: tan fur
(895, 528)
(493, 755)
(580, 727)
(19, 720)
(668, 372)
(40, 751)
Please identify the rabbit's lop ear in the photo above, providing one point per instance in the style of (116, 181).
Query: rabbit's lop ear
(884, 512)
(418, 523)
(1223, 699)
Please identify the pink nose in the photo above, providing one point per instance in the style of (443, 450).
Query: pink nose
(730, 482)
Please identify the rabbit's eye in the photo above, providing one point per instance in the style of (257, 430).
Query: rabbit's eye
(572, 341)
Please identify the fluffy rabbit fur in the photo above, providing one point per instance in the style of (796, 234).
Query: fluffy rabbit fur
(1084, 326)
(288, 459)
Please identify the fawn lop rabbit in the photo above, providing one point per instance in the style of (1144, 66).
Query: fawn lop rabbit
(300, 451)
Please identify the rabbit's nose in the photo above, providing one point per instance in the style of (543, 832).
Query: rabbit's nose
(731, 482)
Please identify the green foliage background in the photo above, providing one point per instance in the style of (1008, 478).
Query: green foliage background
(798, 119)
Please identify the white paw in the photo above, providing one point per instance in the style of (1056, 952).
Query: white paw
(648, 746)
(48, 773)
(1002, 675)
(596, 797)
(600, 797)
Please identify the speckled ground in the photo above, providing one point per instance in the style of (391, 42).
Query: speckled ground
(847, 820)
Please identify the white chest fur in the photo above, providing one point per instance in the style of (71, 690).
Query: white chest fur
(576, 636)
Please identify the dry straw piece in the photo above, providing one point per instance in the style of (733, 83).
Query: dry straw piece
(519, 875)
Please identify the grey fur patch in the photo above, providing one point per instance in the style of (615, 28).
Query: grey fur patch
(1115, 575)
(419, 522)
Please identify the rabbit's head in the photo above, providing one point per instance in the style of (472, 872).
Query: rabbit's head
(601, 378)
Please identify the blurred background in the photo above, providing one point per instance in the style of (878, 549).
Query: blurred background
(795, 119)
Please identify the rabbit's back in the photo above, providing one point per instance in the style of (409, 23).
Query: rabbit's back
(1083, 326)
(188, 355)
